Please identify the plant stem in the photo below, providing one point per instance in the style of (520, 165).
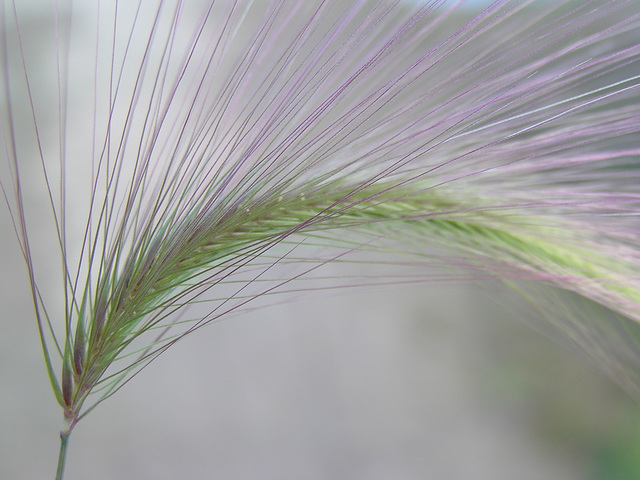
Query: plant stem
(64, 442)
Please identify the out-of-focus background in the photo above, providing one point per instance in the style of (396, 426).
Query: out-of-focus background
(421, 382)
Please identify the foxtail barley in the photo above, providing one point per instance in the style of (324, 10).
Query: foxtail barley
(226, 149)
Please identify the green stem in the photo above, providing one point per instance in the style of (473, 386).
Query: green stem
(64, 442)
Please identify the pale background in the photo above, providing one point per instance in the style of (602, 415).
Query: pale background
(421, 383)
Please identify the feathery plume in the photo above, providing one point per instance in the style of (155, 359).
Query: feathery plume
(230, 139)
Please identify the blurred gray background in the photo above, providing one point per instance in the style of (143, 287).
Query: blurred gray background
(428, 382)
(420, 383)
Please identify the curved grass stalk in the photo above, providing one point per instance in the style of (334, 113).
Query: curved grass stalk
(499, 245)
(231, 139)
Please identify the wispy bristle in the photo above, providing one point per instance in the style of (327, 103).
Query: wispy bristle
(218, 143)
